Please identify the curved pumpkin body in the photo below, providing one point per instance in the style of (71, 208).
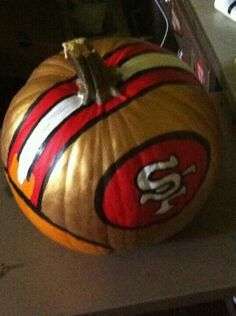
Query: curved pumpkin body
(132, 170)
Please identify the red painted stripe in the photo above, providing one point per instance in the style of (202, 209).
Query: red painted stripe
(79, 122)
(127, 52)
(40, 107)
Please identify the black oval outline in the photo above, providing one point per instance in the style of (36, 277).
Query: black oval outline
(105, 179)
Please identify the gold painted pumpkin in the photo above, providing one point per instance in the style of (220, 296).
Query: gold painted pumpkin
(118, 167)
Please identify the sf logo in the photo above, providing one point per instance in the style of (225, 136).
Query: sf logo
(164, 189)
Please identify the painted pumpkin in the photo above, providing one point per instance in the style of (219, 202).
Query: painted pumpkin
(113, 147)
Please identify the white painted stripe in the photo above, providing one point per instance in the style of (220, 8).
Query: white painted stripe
(150, 60)
(46, 126)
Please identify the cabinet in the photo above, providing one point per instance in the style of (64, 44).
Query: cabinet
(206, 40)
(191, 48)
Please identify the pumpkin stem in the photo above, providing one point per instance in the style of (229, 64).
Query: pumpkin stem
(96, 82)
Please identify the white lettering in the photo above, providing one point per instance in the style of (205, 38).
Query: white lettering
(164, 189)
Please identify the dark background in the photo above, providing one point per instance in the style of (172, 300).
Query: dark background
(33, 30)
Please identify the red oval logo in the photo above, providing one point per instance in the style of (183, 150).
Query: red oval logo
(154, 181)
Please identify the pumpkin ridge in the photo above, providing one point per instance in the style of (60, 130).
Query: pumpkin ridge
(123, 118)
(57, 64)
(198, 112)
(102, 144)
